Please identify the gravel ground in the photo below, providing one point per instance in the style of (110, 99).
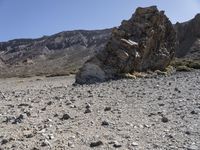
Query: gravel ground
(160, 113)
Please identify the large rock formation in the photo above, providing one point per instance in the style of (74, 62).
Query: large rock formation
(189, 38)
(145, 42)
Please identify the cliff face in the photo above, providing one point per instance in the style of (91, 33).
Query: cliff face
(56, 54)
(189, 38)
(146, 41)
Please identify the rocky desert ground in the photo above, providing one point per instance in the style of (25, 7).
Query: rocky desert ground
(155, 113)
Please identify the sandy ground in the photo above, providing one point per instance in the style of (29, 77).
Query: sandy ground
(161, 113)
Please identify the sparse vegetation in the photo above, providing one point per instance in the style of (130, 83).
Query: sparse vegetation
(185, 64)
(183, 68)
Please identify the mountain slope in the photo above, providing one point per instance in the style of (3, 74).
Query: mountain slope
(56, 54)
(189, 38)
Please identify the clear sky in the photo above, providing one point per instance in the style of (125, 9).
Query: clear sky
(35, 18)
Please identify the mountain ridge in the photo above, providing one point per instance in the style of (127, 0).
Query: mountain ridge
(64, 50)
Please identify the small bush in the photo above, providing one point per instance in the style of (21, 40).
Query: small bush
(183, 69)
(195, 64)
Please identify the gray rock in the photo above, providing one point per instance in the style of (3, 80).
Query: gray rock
(105, 123)
(117, 144)
(95, 144)
(4, 141)
(145, 42)
(165, 119)
(88, 110)
(65, 117)
(107, 109)
(193, 147)
(134, 144)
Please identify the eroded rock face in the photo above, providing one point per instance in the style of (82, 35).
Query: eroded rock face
(145, 42)
(189, 38)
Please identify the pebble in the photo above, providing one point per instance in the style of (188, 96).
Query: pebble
(193, 147)
(44, 144)
(105, 123)
(29, 135)
(95, 144)
(70, 144)
(51, 136)
(88, 106)
(134, 144)
(188, 132)
(72, 106)
(107, 109)
(65, 117)
(88, 110)
(68, 102)
(4, 141)
(18, 119)
(50, 103)
(165, 119)
(43, 109)
(194, 112)
(117, 144)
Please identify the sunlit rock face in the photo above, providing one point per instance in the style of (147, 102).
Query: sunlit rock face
(144, 42)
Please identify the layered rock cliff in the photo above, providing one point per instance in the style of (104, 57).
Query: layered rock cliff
(147, 41)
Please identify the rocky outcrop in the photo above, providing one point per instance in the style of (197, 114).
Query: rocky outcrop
(145, 42)
(189, 38)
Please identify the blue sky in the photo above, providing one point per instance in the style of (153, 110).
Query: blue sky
(35, 18)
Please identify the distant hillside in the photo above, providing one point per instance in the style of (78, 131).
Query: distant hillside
(189, 38)
(61, 53)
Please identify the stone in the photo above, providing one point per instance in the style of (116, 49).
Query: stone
(193, 112)
(145, 42)
(50, 103)
(35, 148)
(4, 141)
(44, 144)
(134, 144)
(188, 132)
(70, 144)
(193, 147)
(88, 106)
(165, 119)
(18, 119)
(29, 135)
(107, 109)
(117, 144)
(65, 117)
(88, 110)
(105, 123)
(95, 144)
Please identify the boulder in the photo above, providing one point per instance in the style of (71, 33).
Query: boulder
(145, 42)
